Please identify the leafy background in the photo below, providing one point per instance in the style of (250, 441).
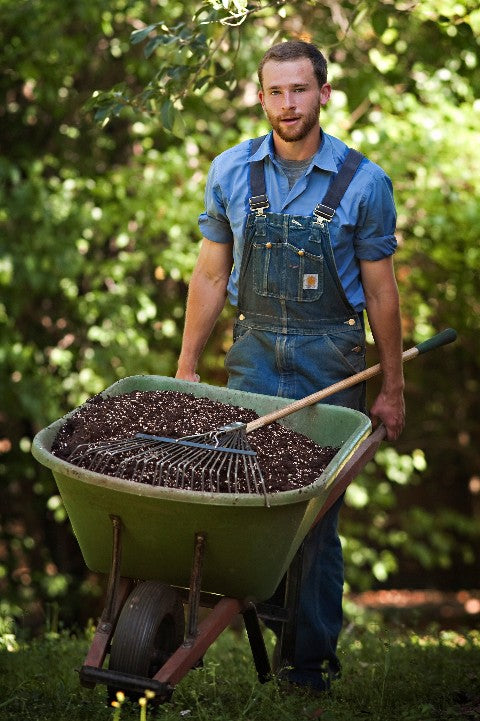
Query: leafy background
(110, 115)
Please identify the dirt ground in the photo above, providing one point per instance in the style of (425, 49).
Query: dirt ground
(417, 608)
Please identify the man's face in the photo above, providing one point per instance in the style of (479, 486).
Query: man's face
(292, 98)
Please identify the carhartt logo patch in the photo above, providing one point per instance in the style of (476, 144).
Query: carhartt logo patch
(310, 281)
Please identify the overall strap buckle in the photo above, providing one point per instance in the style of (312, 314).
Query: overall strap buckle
(258, 204)
(323, 212)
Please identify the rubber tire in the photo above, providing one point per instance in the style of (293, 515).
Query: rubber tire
(150, 628)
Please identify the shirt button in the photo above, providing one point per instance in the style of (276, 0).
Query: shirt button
(268, 245)
(241, 317)
(301, 252)
(351, 322)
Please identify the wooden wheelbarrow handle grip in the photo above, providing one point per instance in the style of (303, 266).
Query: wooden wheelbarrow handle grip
(357, 461)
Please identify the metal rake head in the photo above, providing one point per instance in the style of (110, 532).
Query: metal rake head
(218, 461)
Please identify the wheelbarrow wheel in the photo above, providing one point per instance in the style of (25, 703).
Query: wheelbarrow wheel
(150, 628)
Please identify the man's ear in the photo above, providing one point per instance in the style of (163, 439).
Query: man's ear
(325, 92)
(261, 97)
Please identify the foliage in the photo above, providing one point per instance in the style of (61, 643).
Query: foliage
(380, 680)
(98, 238)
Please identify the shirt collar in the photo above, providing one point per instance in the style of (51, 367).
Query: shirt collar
(266, 148)
(323, 158)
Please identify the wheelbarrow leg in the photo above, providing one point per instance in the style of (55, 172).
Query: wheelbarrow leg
(195, 588)
(117, 591)
(288, 633)
(257, 644)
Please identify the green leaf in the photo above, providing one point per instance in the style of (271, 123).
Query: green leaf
(103, 113)
(139, 35)
(167, 114)
(202, 81)
(179, 126)
(153, 44)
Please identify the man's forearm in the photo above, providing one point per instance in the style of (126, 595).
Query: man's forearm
(206, 298)
(205, 302)
(383, 309)
(385, 323)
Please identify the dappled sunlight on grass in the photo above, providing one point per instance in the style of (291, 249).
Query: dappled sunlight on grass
(388, 673)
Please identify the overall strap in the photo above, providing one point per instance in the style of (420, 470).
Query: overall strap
(258, 199)
(326, 209)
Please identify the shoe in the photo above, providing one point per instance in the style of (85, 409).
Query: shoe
(293, 680)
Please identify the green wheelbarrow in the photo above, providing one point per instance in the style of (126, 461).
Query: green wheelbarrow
(219, 551)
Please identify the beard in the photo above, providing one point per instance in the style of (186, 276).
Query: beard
(300, 131)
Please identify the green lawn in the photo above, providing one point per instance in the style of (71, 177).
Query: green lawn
(387, 674)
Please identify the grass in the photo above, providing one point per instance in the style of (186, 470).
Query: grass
(388, 673)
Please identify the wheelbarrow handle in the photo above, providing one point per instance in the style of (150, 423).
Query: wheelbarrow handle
(442, 338)
(358, 460)
(436, 341)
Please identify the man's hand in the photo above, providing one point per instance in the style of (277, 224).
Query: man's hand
(389, 409)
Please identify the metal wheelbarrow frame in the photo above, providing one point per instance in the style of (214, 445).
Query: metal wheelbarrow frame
(202, 588)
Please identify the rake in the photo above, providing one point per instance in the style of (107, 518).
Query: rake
(216, 460)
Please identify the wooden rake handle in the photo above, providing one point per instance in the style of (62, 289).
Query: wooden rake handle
(445, 336)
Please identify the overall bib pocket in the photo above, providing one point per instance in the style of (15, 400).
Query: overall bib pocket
(286, 272)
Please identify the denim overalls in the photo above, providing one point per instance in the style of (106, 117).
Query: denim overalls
(296, 333)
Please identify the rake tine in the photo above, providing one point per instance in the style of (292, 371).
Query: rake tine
(138, 455)
(206, 460)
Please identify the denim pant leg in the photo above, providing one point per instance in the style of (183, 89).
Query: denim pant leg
(256, 365)
(320, 615)
(251, 363)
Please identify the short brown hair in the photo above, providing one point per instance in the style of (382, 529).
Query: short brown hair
(292, 50)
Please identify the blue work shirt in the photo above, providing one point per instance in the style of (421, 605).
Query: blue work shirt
(362, 228)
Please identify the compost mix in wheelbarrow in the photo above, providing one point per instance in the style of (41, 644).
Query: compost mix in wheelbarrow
(288, 459)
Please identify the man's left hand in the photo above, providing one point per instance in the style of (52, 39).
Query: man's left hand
(389, 409)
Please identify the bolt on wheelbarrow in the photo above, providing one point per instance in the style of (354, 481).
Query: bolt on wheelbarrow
(221, 551)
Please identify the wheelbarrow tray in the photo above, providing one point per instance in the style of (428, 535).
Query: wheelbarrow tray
(249, 545)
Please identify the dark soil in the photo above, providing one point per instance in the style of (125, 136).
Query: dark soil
(287, 460)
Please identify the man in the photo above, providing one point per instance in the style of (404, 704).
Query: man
(302, 250)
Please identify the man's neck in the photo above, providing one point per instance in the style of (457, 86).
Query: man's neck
(299, 149)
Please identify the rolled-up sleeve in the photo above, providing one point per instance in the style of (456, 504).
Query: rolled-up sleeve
(213, 222)
(375, 231)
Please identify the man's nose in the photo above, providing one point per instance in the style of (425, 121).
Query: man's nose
(288, 100)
